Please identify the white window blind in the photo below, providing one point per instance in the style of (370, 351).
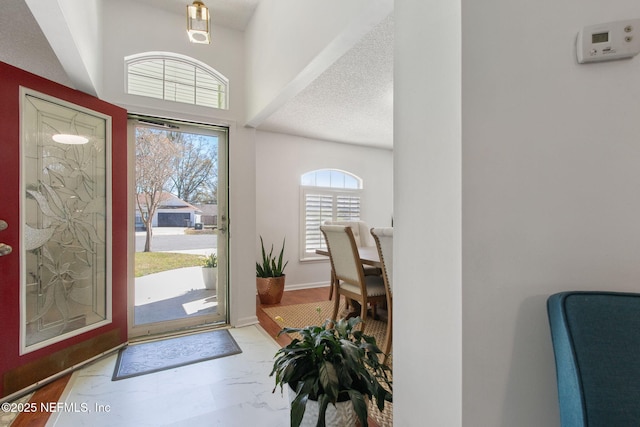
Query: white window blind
(318, 209)
(348, 208)
(327, 195)
(173, 77)
(326, 206)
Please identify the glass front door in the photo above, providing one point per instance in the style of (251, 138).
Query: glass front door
(180, 221)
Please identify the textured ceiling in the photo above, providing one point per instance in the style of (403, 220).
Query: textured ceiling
(352, 102)
(27, 49)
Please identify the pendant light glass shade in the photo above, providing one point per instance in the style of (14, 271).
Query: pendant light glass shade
(198, 23)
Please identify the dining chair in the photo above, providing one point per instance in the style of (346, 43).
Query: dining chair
(383, 238)
(596, 340)
(361, 236)
(350, 279)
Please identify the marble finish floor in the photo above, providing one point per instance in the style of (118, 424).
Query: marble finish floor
(230, 391)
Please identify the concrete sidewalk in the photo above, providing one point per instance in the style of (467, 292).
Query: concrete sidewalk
(173, 294)
(164, 231)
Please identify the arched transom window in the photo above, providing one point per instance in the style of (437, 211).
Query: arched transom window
(174, 77)
(326, 195)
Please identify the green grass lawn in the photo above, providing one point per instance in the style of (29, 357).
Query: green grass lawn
(155, 262)
(206, 230)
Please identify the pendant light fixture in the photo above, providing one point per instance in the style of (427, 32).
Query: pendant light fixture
(198, 23)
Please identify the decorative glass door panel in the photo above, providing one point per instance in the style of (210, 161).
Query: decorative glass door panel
(65, 211)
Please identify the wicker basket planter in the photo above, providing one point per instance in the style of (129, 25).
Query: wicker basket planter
(270, 289)
(341, 414)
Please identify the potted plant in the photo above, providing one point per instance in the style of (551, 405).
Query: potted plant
(210, 271)
(330, 367)
(270, 276)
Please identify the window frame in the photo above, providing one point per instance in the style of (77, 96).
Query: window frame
(179, 60)
(334, 193)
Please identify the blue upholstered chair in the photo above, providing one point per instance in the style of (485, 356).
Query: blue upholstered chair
(596, 342)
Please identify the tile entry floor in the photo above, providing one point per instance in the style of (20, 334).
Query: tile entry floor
(230, 391)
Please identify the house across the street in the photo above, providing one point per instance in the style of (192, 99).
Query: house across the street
(208, 214)
(172, 212)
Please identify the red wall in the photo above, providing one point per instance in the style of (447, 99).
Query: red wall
(10, 80)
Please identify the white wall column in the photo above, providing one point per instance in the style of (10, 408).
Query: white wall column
(427, 214)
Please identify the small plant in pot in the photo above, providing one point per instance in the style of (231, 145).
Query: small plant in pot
(210, 271)
(336, 365)
(270, 276)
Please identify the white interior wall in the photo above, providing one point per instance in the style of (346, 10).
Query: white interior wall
(550, 193)
(126, 34)
(74, 31)
(427, 346)
(85, 21)
(280, 162)
(549, 168)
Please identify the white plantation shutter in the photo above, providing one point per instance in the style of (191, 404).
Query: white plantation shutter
(318, 209)
(326, 195)
(320, 206)
(347, 207)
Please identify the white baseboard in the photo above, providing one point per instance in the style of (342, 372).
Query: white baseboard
(246, 321)
(299, 286)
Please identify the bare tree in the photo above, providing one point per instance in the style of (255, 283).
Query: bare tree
(209, 192)
(155, 155)
(195, 167)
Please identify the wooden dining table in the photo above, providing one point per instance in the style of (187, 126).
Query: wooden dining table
(368, 255)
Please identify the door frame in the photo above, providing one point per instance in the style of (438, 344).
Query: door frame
(176, 326)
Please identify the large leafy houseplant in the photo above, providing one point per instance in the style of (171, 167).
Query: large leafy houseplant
(332, 363)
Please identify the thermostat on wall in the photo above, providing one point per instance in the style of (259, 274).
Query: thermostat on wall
(605, 42)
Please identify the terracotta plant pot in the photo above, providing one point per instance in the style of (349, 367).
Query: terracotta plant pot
(270, 289)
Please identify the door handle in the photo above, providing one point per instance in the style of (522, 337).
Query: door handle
(4, 248)
(224, 224)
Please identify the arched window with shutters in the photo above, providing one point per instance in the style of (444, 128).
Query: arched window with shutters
(326, 194)
(175, 77)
